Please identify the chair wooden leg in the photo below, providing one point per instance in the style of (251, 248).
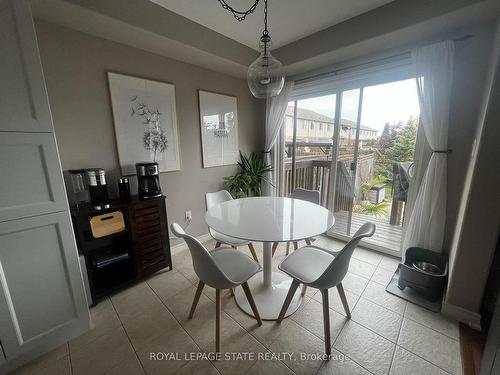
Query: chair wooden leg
(217, 244)
(275, 246)
(308, 241)
(288, 299)
(217, 320)
(287, 248)
(304, 290)
(343, 298)
(248, 293)
(197, 296)
(295, 245)
(252, 250)
(326, 322)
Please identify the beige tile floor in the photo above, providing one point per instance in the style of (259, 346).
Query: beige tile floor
(386, 335)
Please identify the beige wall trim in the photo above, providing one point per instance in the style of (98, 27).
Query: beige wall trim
(472, 319)
(176, 249)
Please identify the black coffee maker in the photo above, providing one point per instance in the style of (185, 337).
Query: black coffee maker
(96, 180)
(148, 180)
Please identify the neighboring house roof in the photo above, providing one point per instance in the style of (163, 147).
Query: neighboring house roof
(307, 114)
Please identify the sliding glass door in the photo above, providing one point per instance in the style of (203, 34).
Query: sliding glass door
(309, 130)
(356, 147)
(374, 162)
(344, 166)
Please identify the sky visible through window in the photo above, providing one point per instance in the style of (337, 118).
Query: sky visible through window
(390, 102)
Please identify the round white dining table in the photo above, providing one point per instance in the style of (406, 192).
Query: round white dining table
(268, 220)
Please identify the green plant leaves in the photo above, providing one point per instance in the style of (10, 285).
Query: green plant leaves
(249, 179)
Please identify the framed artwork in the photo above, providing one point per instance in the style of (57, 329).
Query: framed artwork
(219, 129)
(145, 122)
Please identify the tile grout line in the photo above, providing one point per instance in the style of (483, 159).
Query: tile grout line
(359, 364)
(426, 326)
(397, 339)
(352, 360)
(184, 329)
(409, 351)
(432, 329)
(378, 334)
(128, 338)
(425, 360)
(69, 358)
(378, 304)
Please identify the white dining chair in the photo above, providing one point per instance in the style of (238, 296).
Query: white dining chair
(222, 268)
(322, 269)
(312, 196)
(212, 199)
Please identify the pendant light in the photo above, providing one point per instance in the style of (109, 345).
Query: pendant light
(265, 75)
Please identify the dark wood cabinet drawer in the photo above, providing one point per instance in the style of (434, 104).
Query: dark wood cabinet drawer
(149, 232)
(152, 258)
(154, 247)
(149, 240)
(152, 262)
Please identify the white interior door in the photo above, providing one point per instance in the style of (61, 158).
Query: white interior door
(41, 294)
(25, 106)
(42, 298)
(30, 164)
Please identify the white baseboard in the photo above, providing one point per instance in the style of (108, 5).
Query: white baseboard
(175, 249)
(472, 319)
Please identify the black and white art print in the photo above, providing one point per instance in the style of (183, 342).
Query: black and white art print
(145, 122)
(219, 129)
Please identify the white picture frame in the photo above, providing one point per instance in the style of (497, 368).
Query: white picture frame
(219, 128)
(144, 116)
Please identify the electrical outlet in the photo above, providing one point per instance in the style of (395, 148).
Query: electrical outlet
(188, 216)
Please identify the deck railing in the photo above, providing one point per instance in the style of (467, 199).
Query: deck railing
(314, 174)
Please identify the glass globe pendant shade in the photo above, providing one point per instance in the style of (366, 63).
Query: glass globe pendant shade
(265, 75)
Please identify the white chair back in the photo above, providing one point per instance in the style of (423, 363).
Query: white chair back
(204, 265)
(337, 269)
(211, 199)
(312, 196)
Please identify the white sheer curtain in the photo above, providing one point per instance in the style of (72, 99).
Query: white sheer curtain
(275, 118)
(434, 72)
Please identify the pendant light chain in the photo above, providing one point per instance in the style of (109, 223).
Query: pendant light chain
(240, 16)
(265, 32)
(265, 75)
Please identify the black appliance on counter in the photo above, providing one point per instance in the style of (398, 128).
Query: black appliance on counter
(96, 180)
(148, 180)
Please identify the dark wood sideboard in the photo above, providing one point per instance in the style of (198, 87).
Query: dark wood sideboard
(116, 260)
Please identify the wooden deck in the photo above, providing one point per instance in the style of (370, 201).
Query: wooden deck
(386, 235)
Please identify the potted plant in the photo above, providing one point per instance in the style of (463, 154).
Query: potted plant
(248, 180)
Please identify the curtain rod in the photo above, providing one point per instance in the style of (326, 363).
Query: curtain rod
(388, 58)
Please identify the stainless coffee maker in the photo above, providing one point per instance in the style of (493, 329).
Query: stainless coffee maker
(148, 180)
